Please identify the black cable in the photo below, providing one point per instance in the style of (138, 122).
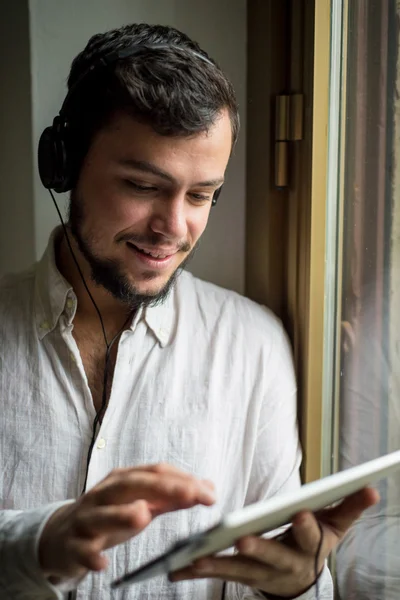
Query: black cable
(100, 413)
(317, 557)
(223, 591)
(109, 346)
(78, 267)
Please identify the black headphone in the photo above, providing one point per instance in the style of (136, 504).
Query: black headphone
(58, 166)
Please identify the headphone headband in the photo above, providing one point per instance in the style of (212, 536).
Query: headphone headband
(110, 58)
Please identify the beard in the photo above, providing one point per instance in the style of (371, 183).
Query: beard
(109, 273)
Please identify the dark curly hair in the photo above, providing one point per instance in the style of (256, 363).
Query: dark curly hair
(165, 84)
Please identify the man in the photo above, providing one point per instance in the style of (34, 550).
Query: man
(103, 336)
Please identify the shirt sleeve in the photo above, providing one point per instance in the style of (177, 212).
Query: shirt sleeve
(21, 577)
(277, 454)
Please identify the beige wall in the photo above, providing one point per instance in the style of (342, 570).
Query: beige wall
(16, 198)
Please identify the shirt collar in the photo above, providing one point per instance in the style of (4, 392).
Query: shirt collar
(54, 295)
(52, 291)
(161, 318)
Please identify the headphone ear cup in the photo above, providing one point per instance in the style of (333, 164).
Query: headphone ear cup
(47, 158)
(64, 173)
(54, 169)
(216, 196)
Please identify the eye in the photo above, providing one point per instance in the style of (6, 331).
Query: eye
(138, 187)
(201, 197)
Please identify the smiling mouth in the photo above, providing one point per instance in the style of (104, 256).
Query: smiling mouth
(154, 254)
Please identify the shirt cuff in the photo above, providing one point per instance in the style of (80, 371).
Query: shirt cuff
(21, 577)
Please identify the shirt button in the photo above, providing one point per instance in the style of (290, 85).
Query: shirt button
(163, 333)
(101, 443)
(45, 325)
(73, 357)
(70, 303)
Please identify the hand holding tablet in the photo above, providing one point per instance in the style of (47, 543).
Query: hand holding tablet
(263, 517)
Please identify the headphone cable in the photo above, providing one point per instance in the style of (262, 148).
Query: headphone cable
(109, 345)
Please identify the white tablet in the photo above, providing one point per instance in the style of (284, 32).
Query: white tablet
(262, 517)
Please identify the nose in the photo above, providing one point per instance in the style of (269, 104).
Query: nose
(169, 217)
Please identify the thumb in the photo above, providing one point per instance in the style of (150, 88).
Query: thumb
(341, 517)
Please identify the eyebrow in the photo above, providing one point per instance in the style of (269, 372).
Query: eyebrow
(147, 167)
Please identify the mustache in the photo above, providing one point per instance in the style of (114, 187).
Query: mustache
(152, 240)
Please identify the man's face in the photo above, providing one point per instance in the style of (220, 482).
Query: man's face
(142, 202)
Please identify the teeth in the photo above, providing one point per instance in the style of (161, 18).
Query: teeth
(153, 254)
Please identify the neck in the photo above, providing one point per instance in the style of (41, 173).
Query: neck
(114, 313)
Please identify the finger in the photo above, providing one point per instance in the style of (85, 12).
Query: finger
(268, 552)
(129, 518)
(229, 568)
(334, 521)
(341, 517)
(88, 554)
(158, 483)
(163, 469)
(184, 493)
(165, 491)
(166, 469)
(306, 532)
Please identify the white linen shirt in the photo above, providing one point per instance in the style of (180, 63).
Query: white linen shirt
(203, 381)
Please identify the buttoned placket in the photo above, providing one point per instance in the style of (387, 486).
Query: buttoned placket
(86, 411)
(123, 365)
(105, 428)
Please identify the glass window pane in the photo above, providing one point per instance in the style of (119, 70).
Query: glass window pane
(368, 562)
